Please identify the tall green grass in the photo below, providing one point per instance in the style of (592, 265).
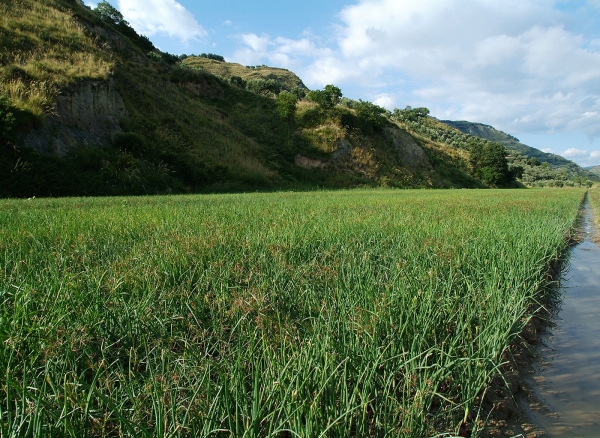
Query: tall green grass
(360, 313)
(594, 198)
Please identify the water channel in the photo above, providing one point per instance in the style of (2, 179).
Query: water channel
(568, 377)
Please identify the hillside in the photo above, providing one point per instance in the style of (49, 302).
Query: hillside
(287, 79)
(89, 107)
(87, 111)
(512, 144)
(594, 169)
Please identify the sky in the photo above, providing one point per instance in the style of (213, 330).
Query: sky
(530, 68)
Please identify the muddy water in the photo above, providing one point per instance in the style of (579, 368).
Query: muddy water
(568, 377)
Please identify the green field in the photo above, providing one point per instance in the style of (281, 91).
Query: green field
(354, 313)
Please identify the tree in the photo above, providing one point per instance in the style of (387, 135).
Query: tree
(286, 105)
(300, 93)
(370, 113)
(238, 81)
(212, 56)
(490, 165)
(110, 14)
(333, 93)
(410, 114)
(327, 98)
(264, 86)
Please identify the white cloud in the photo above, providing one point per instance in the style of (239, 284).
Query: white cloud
(595, 155)
(574, 153)
(520, 65)
(282, 52)
(228, 23)
(168, 17)
(387, 101)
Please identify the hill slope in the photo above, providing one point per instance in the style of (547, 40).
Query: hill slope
(287, 79)
(594, 169)
(512, 144)
(89, 107)
(89, 112)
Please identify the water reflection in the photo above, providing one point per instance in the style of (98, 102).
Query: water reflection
(569, 383)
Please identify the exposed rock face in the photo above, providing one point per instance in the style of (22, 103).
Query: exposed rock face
(343, 150)
(413, 155)
(84, 113)
(308, 163)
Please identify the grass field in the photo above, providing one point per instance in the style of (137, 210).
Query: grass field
(358, 313)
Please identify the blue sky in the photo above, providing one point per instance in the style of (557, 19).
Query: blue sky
(528, 67)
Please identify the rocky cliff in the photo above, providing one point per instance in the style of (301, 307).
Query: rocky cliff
(85, 113)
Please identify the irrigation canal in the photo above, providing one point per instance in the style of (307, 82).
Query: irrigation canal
(568, 379)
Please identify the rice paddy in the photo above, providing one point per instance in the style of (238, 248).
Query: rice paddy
(325, 314)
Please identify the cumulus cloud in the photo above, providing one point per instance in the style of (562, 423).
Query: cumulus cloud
(167, 17)
(521, 65)
(512, 63)
(575, 153)
(387, 101)
(283, 52)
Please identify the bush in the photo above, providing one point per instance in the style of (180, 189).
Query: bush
(264, 86)
(7, 119)
(212, 56)
(286, 104)
(130, 142)
(238, 81)
(370, 113)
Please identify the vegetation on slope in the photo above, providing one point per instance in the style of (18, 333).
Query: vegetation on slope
(354, 313)
(480, 158)
(558, 169)
(485, 157)
(203, 124)
(43, 48)
(285, 78)
(594, 169)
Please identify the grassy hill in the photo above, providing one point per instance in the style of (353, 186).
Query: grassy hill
(164, 126)
(287, 79)
(89, 107)
(594, 169)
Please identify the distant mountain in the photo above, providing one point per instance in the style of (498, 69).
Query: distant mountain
(593, 169)
(513, 144)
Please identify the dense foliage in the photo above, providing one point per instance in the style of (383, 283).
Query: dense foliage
(112, 16)
(7, 119)
(488, 160)
(286, 104)
(327, 98)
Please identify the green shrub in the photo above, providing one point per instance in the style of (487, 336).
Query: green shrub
(370, 113)
(238, 81)
(130, 142)
(264, 86)
(7, 118)
(286, 104)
